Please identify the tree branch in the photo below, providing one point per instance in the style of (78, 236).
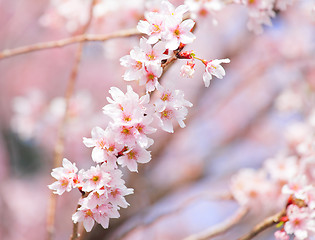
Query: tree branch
(67, 41)
(268, 222)
(59, 146)
(221, 227)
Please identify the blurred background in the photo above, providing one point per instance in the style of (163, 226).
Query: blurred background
(238, 122)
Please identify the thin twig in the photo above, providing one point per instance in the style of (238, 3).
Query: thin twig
(59, 147)
(67, 41)
(75, 228)
(221, 227)
(268, 222)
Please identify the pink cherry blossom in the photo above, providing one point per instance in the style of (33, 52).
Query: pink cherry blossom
(203, 8)
(250, 187)
(281, 235)
(104, 212)
(133, 156)
(66, 177)
(153, 55)
(153, 26)
(301, 223)
(116, 196)
(178, 32)
(213, 67)
(171, 106)
(169, 10)
(95, 178)
(168, 113)
(188, 69)
(86, 216)
(282, 168)
(150, 77)
(134, 65)
(296, 186)
(105, 146)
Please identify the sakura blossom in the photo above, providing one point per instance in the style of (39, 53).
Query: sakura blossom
(247, 154)
(213, 67)
(281, 235)
(171, 106)
(105, 146)
(133, 156)
(188, 70)
(150, 77)
(153, 26)
(66, 177)
(179, 33)
(301, 223)
(203, 8)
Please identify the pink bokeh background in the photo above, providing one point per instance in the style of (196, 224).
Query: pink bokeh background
(234, 123)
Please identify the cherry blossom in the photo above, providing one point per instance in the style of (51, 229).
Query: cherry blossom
(95, 178)
(251, 188)
(150, 77)
(154, 26)
(125, 142)
(213, 67)
(282, 168)
(202, 8)
(301, 223)
(188, 69)
(171, 106)
(296, 186)
(153, 55)
(66, 177)
(133, 156)
(281, 235)
(179, 32)
(86, 216)
(105, 146)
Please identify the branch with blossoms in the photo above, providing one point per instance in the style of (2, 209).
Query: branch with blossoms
(273, 220)
(287, 179)
(125, 142)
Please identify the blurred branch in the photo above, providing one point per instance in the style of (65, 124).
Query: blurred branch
(268, 222)
(221, 227)
(67, 41)
(75, 228)
(59, 147)
(141, 222)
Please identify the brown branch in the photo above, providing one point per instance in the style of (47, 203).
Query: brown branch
(75, 228)
(268, 222)
(59, 147)
(221, 227)
(67, 41)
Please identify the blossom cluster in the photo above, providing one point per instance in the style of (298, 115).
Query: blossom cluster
(261, 11)
(203, 8)
(125, 142)
(43, 116)
(288, 179)
(166, 30)
(105, 187)
(74, 14)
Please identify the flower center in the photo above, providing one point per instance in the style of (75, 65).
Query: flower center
(95, 178)
(131, 155)
(156, 28)
(177, 32)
